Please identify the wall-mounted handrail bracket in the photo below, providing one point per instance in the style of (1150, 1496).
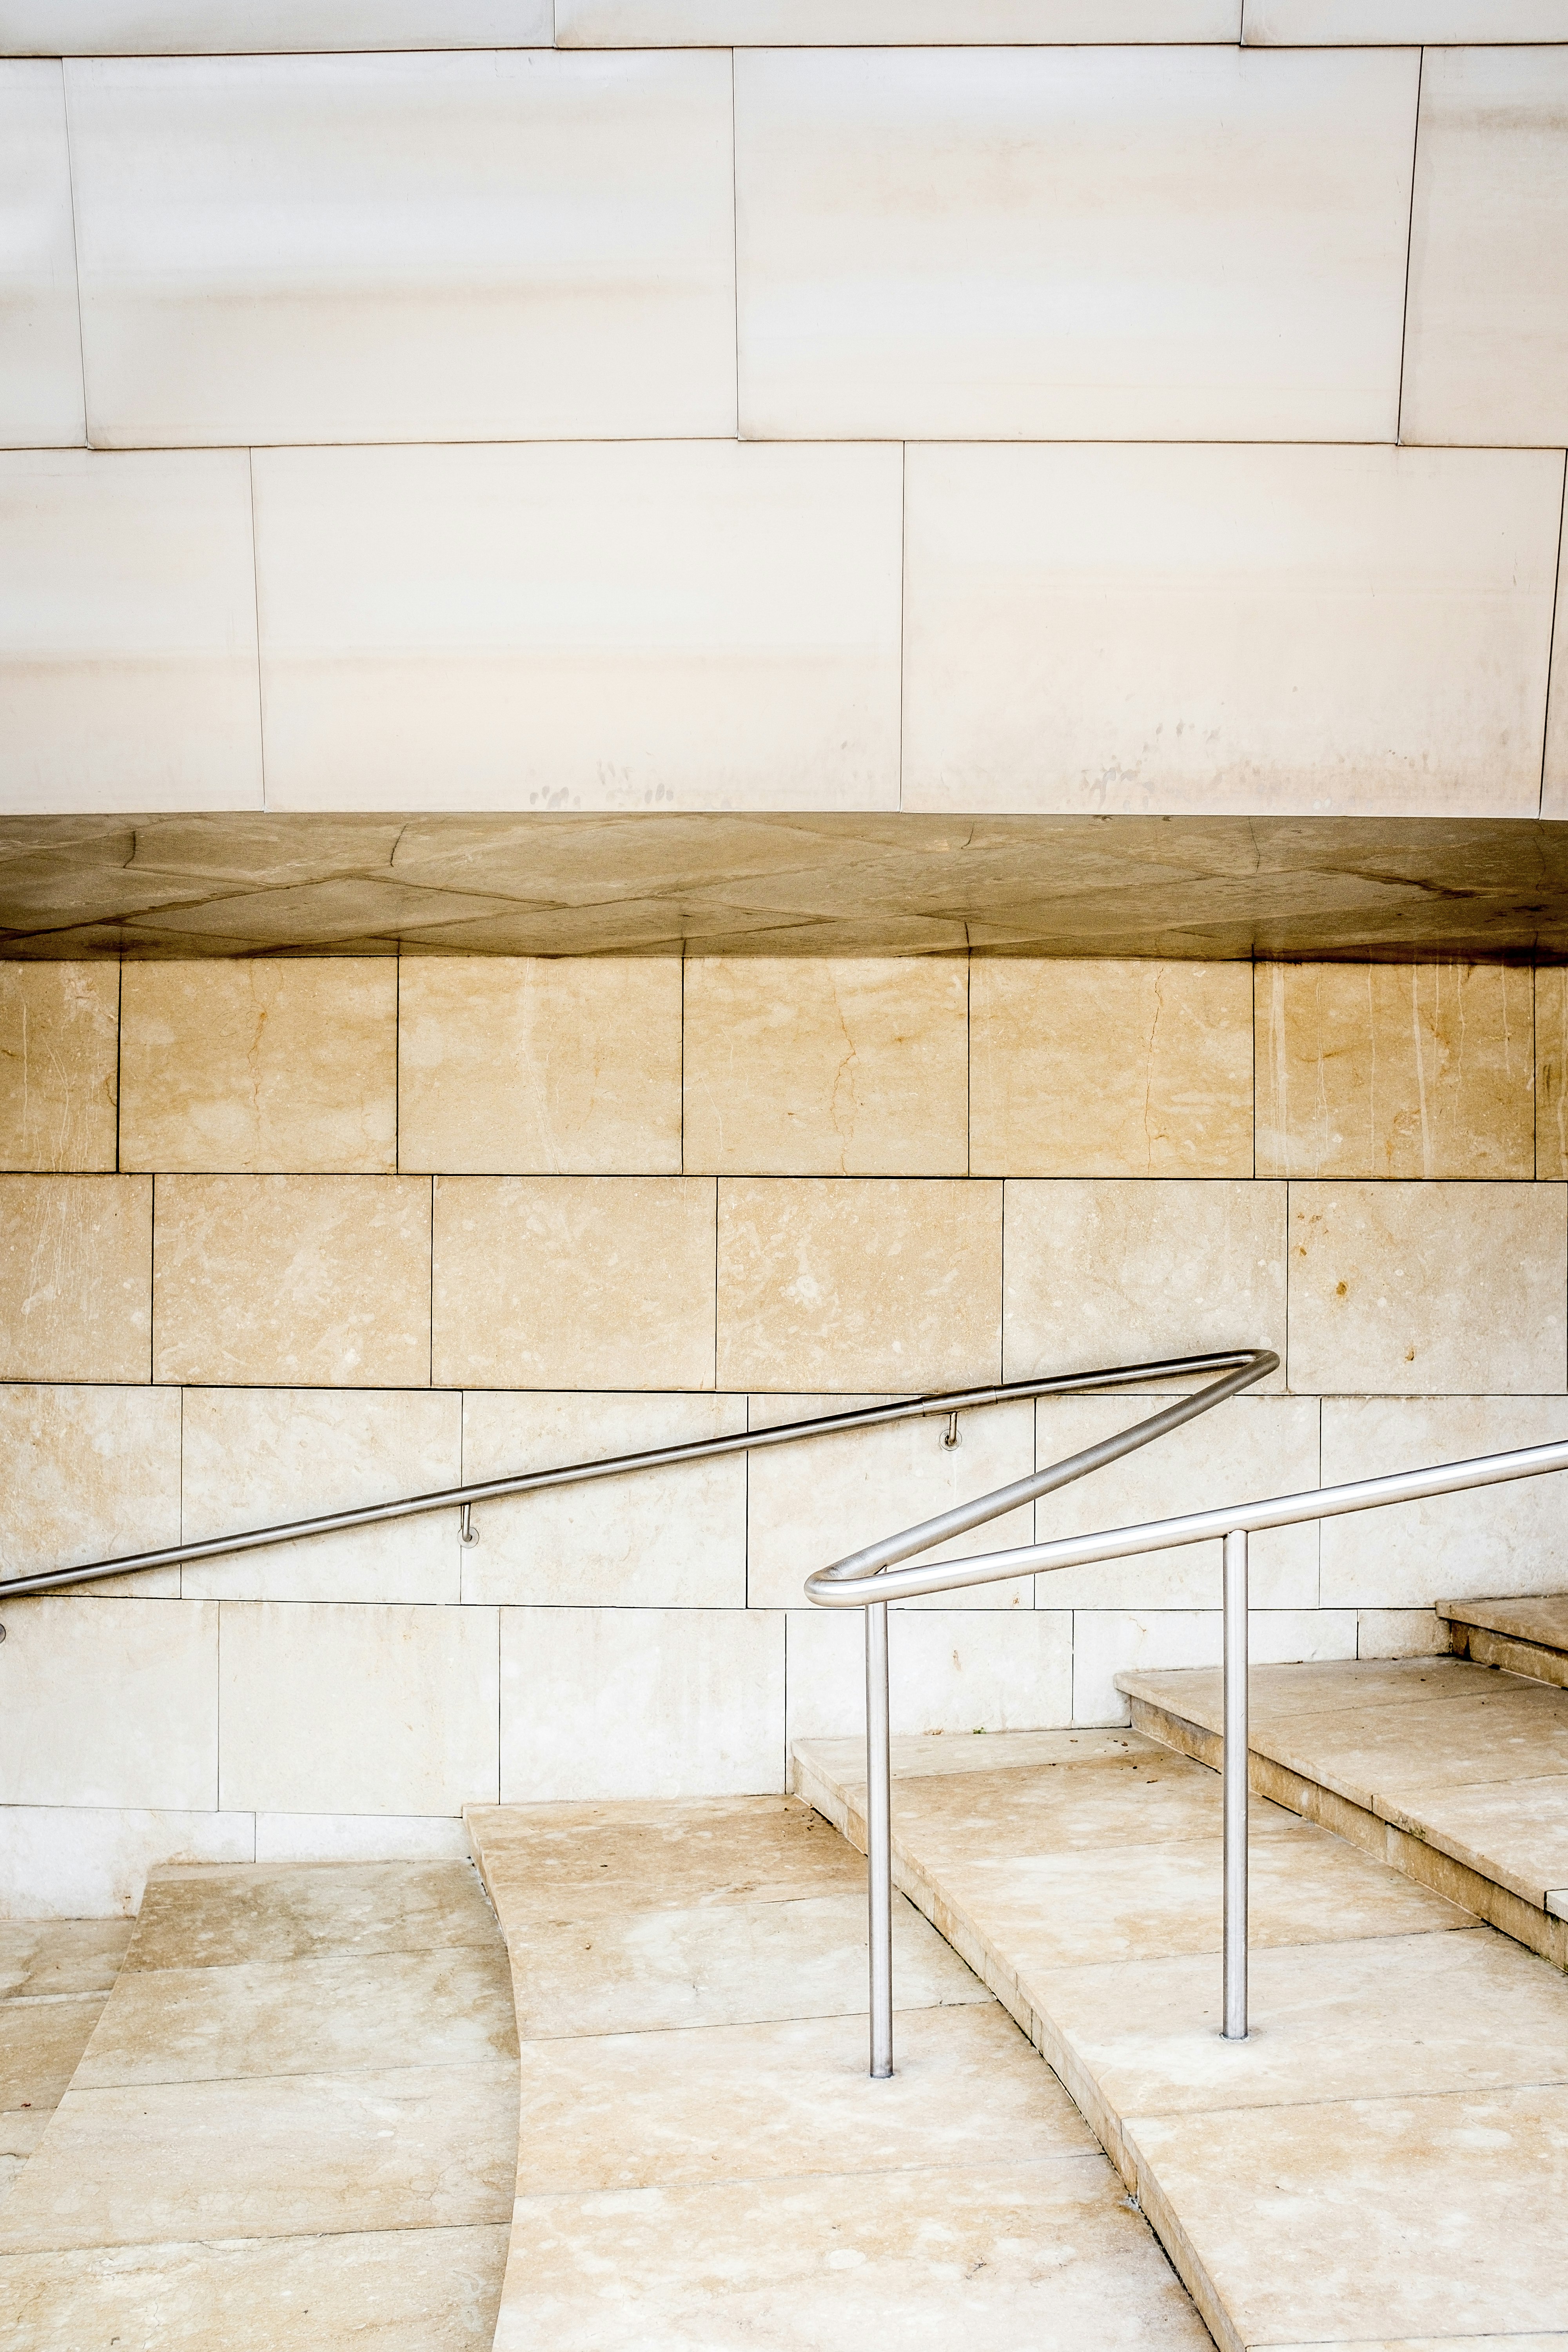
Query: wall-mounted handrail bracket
(467, 1531)
(952, 1436)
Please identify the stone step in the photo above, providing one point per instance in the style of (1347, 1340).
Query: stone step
(294, 2124)
(1455, 1773)
(702, 2160)
(55, 1977)
(1528, 1636)
(1347, 2176)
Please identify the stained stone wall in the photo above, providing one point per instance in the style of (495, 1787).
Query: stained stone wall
(277, 1235)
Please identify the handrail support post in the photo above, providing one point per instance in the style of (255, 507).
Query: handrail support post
(879, 1839)
(1235, 1768)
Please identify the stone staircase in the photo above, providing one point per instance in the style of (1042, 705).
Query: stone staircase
(309, 2106)
(1456, 1772)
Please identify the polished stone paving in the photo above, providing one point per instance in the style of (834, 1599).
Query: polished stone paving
(702, 2160)
(1382, 2165)
(293, 2126)
(245, 883)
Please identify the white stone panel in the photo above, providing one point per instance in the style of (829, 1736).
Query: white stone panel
(128, 675)
(81, 28)
(109, 1703)
(1246, 1449)
(1281, 631)
(1339, 24)
(405, 249)
(361, 1837)
(357, 1709)
(670, 1539)
(40, 387)
(676, 626)
(953, 1672)
(1491, 1542)
(253, 1457)
(1111, 1642)
(827, 24)
(1486, 349)
(1108, 1271)
(1096, 243)
(817, 1501)
(77, 1862)
(641, 1703)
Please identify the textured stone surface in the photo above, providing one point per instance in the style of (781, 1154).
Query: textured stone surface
(58, 1026)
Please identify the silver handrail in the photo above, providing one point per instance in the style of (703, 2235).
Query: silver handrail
(1251, 1363)
(843, 1586)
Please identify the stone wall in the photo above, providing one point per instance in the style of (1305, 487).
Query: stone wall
(283, 1234)
(617, 412)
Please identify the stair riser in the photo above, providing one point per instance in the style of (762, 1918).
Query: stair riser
(1385, 1840)
(1505, 1649)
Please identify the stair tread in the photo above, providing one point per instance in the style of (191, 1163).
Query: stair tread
(1469, 1761)
(691, 1987)
(1540, 1619)
(1346, 2173)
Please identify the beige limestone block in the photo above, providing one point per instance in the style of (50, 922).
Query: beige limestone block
(661, 1855)
(277, 1915)
(1105, 1273)
(60, 1956)
(1423, 1290)
(808, 1065)
(1395, 1070)
(58, 1046)
(254, 1457)
(641, 1703)
(755, 2102)
(435, 2288)
(76, 1289)
(954, 2252)
(899, 23)
(1346, 2189)
(815, 1502)
(857, 1284)
(590, 1282)
(953, 1672)
(558, 1066)
(671, 1539)
(402, 2147)
(1486, 338)
(111, 1703)
(247, 1064)
(1296, 24)
(1109, 1642)
(356, 1709)
(1552, 1074)
(280, 1281)
(715, 1964)
(1110, 1069)
(1507, 1539)
(90, 1472)
(1248, 1447)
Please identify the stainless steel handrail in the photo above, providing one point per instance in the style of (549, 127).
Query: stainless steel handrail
(1247, 1364)
(843, 1586)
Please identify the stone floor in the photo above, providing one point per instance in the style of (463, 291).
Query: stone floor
(1384, 2162)
(701, 2157)
(293, 2127)
(55, 1977)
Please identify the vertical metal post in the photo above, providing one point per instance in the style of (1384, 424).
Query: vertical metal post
(879, 1838)
(1234, 1768)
